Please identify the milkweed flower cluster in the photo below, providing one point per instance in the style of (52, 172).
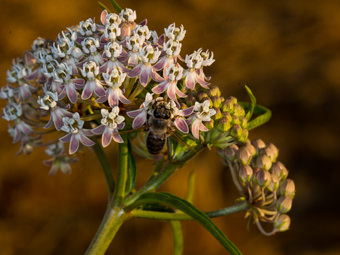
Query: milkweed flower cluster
(97, 80)
(262, 181)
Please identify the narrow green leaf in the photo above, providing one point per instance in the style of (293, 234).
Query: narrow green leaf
(104, 7)
(116, 5)
(253, 102)
(263, 112)
(131, 177)
(189, 209)
(177, 236)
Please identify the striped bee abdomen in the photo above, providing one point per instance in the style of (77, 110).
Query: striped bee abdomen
(155, 143)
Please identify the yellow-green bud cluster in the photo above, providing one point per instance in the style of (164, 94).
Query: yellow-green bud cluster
(263, 182)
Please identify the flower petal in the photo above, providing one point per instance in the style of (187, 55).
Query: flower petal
(78, 83)
(134, 113)
(195, 128)
(85, 140)
(66, 138)
(135, 71)
(87, 91)
(99, 89)
(144, 75)
(203, 128)
(160, 88)
(190, 80)
(156, 77)
(181, 125)
(71, 94)
(187, 111)
(172, 91)
(117, 138)
(74, 144)
(139, 120)
(123, 99)
(180, 93)
(106, 137)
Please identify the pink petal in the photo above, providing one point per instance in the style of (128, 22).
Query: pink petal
(87, 91)
(203, 128)
(88, 132)
(29, 58)
(102, 16)
(117, 138)
(78, 83)
(57, 119)
(121, 125)
(156, 77)
(160, 64)
(101, 99)
(139, 120)
(104, 67)
(99, 89)
(181, 125)
(172, 91)
(180, 93)
(195, 128)
(49, 123)
(188, 111)
(71, 94)
(74, 144)
(33, 75)
(134, 113)
(106, 137)
(160, 88)
(66, 138)
(85, 140)
(144, 75)
(112, 98)
(190, 81)
(161, 39)
(143, 22)
(135, 71)
(123, 99)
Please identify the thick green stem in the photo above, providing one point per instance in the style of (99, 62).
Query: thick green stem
(122, 173)
(112, 221)
(105, 167)
(181, 216)
(176, 227)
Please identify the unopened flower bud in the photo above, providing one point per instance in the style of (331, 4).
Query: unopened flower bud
(282, 223)
(279, 170)
(287, 188)
(209, 124)
(236, 131)
(202, 96)
(214, 91)
(245, 154)
(228, 105)
(271, 151)
(236, 120)
(238, 110)
(284, 204)
(218, 115)
(217, 101)
(244, 136)
(245, 173)
(274, 184)
(229, 153)
(263, 178)
(223, 124)
(258, 144)
(263, 161)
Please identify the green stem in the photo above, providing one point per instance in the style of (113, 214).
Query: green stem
(112, 221)
(138, 213)
(157, 180)
(177, 236)
(123, 152)
(105, 167)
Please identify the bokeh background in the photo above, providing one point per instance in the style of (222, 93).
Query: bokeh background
(288, 52)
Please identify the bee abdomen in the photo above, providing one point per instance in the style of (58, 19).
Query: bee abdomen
(155, 143)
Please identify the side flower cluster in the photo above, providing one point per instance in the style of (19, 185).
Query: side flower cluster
(262, 181)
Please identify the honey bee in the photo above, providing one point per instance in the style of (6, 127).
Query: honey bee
(159, 126)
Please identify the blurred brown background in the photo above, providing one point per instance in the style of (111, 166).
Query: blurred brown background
(288, 52)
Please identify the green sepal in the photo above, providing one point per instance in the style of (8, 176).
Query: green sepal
(187, 208)
(116, 6)
(131, 178)
(104, 7)
(263, 112)
(253, 102)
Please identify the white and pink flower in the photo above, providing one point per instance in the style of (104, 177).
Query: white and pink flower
(202, 112)
(111, 122)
